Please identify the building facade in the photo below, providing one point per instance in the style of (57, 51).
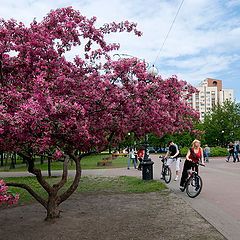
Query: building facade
(210, 93)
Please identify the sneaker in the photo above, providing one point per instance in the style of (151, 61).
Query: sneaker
(227, 160)
(176, 178)
(128, 168)
(181, 188)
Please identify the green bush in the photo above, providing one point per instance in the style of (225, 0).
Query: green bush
(215, 152)
(184, 151)
(218, 152)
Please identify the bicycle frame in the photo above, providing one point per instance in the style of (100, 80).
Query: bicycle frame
(192, 171)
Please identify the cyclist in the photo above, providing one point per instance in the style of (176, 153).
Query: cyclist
(174, 156)
(194, 155)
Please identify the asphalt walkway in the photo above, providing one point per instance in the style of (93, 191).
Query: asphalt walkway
(218, 203)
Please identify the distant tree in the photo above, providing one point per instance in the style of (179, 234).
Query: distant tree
(223, 124)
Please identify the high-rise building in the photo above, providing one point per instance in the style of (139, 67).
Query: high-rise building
(210, 93)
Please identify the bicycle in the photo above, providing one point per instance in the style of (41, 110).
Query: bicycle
(194, 182)
(166, 171)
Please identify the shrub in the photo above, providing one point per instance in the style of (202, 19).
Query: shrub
(215, 152)
(218, 152)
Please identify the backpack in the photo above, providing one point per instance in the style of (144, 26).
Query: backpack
(179, 154)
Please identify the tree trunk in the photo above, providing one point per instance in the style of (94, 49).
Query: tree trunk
(41, 159)
(110, 149)
(1, 159)
(6, 161)
(52, 207)
(12, 166)
(49, 166)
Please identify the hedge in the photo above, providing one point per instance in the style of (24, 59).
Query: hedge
(215, 152)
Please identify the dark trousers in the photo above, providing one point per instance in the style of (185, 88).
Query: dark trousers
(229, 155)
(140, 163)
(236, 156)
(187, 166)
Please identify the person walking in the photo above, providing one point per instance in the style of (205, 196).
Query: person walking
(207, 152)
(173, 151)
(140, 158)
(231, 152)
(131, 158)
(194, 155)
(236, 150)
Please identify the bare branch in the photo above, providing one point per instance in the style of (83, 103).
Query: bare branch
(76, 180)
(37, 172)
(32, 192)
(64, 176)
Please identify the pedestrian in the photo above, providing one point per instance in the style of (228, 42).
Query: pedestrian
(131, 159)
(207, 152)
(204, 155)
(236, 150)
(231, 152)
(194, 155)
(174, 157)
(140, 158)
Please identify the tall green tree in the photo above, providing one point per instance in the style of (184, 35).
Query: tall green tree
(223, 124)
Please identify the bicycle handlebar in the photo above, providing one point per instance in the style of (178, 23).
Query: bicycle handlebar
(197, 163)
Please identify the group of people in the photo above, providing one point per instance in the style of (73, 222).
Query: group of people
(135, 157)
(233, 150)
(194, 154)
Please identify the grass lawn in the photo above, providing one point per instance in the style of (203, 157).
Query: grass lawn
(89, 162)
(89, 185)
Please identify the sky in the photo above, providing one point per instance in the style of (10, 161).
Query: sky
(203, 43)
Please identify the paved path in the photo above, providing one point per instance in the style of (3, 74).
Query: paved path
(218, 203)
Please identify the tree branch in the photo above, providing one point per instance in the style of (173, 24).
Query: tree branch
(75, 183)
(64, 176)
(32, 192)
(37, 172)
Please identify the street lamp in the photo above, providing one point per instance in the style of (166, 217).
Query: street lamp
(147, 172)
(222, 138)
(129, 143)
(153, 71)
(147, 164)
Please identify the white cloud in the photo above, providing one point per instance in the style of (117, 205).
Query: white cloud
(233, 3)
(205, 35)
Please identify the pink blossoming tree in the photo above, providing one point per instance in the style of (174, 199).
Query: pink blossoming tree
(73, 108)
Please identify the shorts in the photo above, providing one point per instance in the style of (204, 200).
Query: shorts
(177, 160)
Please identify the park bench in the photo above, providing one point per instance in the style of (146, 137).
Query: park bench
(120, 154)
(106, 161)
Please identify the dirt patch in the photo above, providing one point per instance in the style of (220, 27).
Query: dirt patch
(116, 216)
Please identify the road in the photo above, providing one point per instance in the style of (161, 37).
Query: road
(218, 203)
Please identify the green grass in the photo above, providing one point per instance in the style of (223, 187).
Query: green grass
(88, 185)
(89, 162)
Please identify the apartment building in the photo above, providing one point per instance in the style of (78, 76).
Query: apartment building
(210, 92)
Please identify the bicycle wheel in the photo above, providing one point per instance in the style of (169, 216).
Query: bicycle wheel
(167, 174)
(194, 186)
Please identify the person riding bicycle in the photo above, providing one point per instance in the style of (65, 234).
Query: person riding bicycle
(194, 155)
(174, 156)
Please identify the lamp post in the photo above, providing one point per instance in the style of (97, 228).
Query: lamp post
(129, 143)
(147, 172)
(222, 138)
(147, 164)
